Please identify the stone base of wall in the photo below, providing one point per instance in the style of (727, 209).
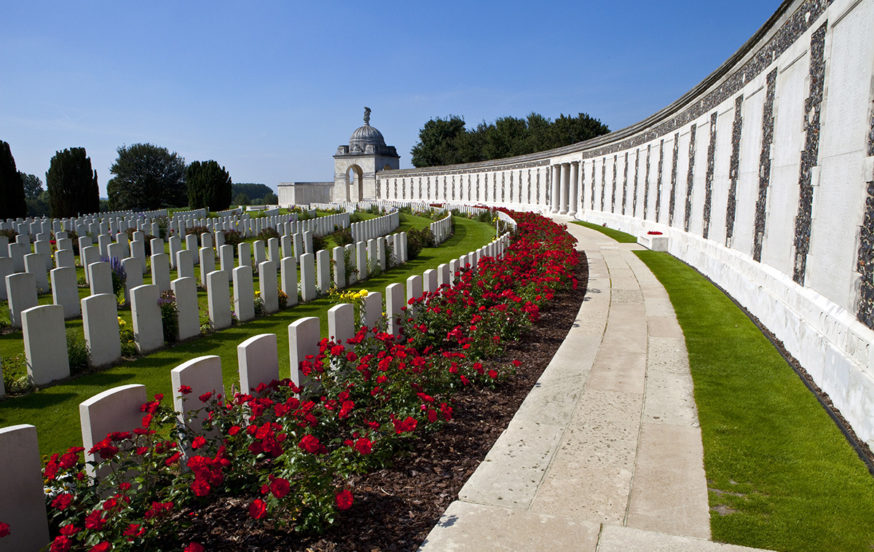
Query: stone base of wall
(829, 342)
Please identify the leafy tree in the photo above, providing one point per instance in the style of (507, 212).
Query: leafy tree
(240, 199)
(437, 142)
(446, 141)
(253, 192)
(32, 185)
(72, 184)
(270, 199)
(12, 204)
(147, 177)
(209, 185)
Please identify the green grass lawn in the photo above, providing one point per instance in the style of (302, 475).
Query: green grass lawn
(54, 410)
(617, 235)
(780, 472)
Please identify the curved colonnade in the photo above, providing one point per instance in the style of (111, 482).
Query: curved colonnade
(761, 177)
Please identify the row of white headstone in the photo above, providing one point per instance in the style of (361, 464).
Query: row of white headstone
(441, 229)
(379, 226)
(43, 326)
(23, 504)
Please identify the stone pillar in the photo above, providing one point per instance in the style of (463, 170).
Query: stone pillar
(563, 188)
(573, 195)
(553, 200)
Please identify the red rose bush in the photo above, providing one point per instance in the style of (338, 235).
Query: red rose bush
(288, 451)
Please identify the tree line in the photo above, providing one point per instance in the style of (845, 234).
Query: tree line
(446, 141)
(145, 177)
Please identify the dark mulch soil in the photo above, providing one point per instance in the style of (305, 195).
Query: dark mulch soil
(395, 508)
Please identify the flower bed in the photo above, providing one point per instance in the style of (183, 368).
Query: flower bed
(288, 451)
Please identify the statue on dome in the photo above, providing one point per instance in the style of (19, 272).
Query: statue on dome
(367, 116)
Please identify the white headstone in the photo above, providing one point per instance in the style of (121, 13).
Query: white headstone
(323, 271)
(244, 294)
(146, 314)
(307, 277)
(100, 322)
(35, 264)
(429, 281)
(116, 409)
(100, 276)
(361, 260)
(443, 275)
(244, 252)
(339, 267)
(134, 278)
(257, 361)
(371, 309)
(185, 260)
(288, 279)
(414, 287)
(203, 375)
(259, 252)
(267, 281)
(175, 247)
(218, 299)
(21, 295)
(394, 300)
(303, 340)
(45, 344)
(341, 322)
(24, 504)
(207, 262)
(161, 271)
(185, 290)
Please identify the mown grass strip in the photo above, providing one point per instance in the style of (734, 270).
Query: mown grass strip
(781, 474)
(617, 235)
(55, 411)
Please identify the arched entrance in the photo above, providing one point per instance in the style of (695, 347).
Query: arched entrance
(354, 183)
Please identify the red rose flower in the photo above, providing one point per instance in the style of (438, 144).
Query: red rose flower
(4, 529)
(344, 499)
(198, 442)
(310, 443)
(184, 390)
(194, 547)
(62, 501)
(101, 547)
(95, 521)
(200, 487)
(257, 509)
(68, 530)
(279, 487)
(234, 430)
(61, 544)
(364, 446)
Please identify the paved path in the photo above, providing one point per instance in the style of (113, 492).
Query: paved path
(605, 453)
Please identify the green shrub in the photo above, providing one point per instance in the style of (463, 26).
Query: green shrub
(169, 316)
(232, 237)
(77, 352)
(15, 378)
(268, 233)
(417, 239)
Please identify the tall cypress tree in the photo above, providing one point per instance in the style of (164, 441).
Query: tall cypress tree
(72, 184)
(12, 203)
(209, 185)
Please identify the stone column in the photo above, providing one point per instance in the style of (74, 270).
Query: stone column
(574, 195)
(553, 200)
(563, 188)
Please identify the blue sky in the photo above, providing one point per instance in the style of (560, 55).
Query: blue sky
(270, 89)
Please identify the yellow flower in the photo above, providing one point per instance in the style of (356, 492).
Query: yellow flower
(121, 321)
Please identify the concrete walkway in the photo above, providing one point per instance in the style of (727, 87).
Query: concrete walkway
(605, 453)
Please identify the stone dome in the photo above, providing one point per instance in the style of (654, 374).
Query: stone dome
(366, 135)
